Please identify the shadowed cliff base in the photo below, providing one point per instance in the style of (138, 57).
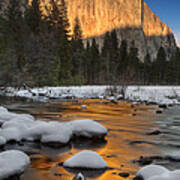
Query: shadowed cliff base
(145, 44)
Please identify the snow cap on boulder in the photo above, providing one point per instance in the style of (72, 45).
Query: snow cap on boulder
(86, 160)
(157, 172)
(12, 163)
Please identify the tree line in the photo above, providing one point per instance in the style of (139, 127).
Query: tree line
(38, 49)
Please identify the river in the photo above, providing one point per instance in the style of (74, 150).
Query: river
(129, 137)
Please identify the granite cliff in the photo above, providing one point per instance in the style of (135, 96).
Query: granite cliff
(133, 20)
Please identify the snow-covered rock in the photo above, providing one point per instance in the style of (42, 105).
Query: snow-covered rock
(79, 176)
(2, 141)
(3, 109)
(88, 128)
(56, 133)
(86, 159)
(17, 127)
(12, 163)
(151, 170)
(157, 172)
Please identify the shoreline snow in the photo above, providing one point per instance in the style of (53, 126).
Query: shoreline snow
(150, 94)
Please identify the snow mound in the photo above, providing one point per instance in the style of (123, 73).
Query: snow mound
(17, 127)
(88, 128)
(12, 163)
(87, 160)
(147, 171)
(3, 109)
(157, 172)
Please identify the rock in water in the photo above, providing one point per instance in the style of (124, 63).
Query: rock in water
(86, 160)
(79, 176)
(88, 128)
(151, 170)
(2, 141)
(83, 107)
(12, 163)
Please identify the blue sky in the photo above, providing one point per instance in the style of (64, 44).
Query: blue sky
(169, 13)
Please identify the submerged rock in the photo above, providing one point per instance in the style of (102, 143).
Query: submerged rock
(86, 160)
(124, 174)
(159, 111)
(79, 176)
(155, 132)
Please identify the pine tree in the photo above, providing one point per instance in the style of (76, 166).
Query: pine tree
(94, 63)
(132, 68)
(160, 66)
(123, 55)
(13, 33)
(59, 19)
(146, 71)
(78, 54)
(34, 16)
(105, 59)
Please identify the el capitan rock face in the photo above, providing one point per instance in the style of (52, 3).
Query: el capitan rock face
(132, 19)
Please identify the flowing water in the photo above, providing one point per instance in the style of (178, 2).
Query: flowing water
(128, 127)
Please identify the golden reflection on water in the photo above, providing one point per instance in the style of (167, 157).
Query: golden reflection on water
(125, 122)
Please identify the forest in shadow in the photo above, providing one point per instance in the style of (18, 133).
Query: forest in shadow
(37, 49)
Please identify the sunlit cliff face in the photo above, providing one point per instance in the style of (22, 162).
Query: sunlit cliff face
(133, 21)
(99, 16)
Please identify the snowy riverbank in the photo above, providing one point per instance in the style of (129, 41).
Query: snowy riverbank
(150, 94)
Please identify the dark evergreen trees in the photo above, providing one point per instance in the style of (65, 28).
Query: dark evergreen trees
(37, 49)
(13, 37)
(109, 59)
(78, 55)
(159, 67)
(60, 21)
